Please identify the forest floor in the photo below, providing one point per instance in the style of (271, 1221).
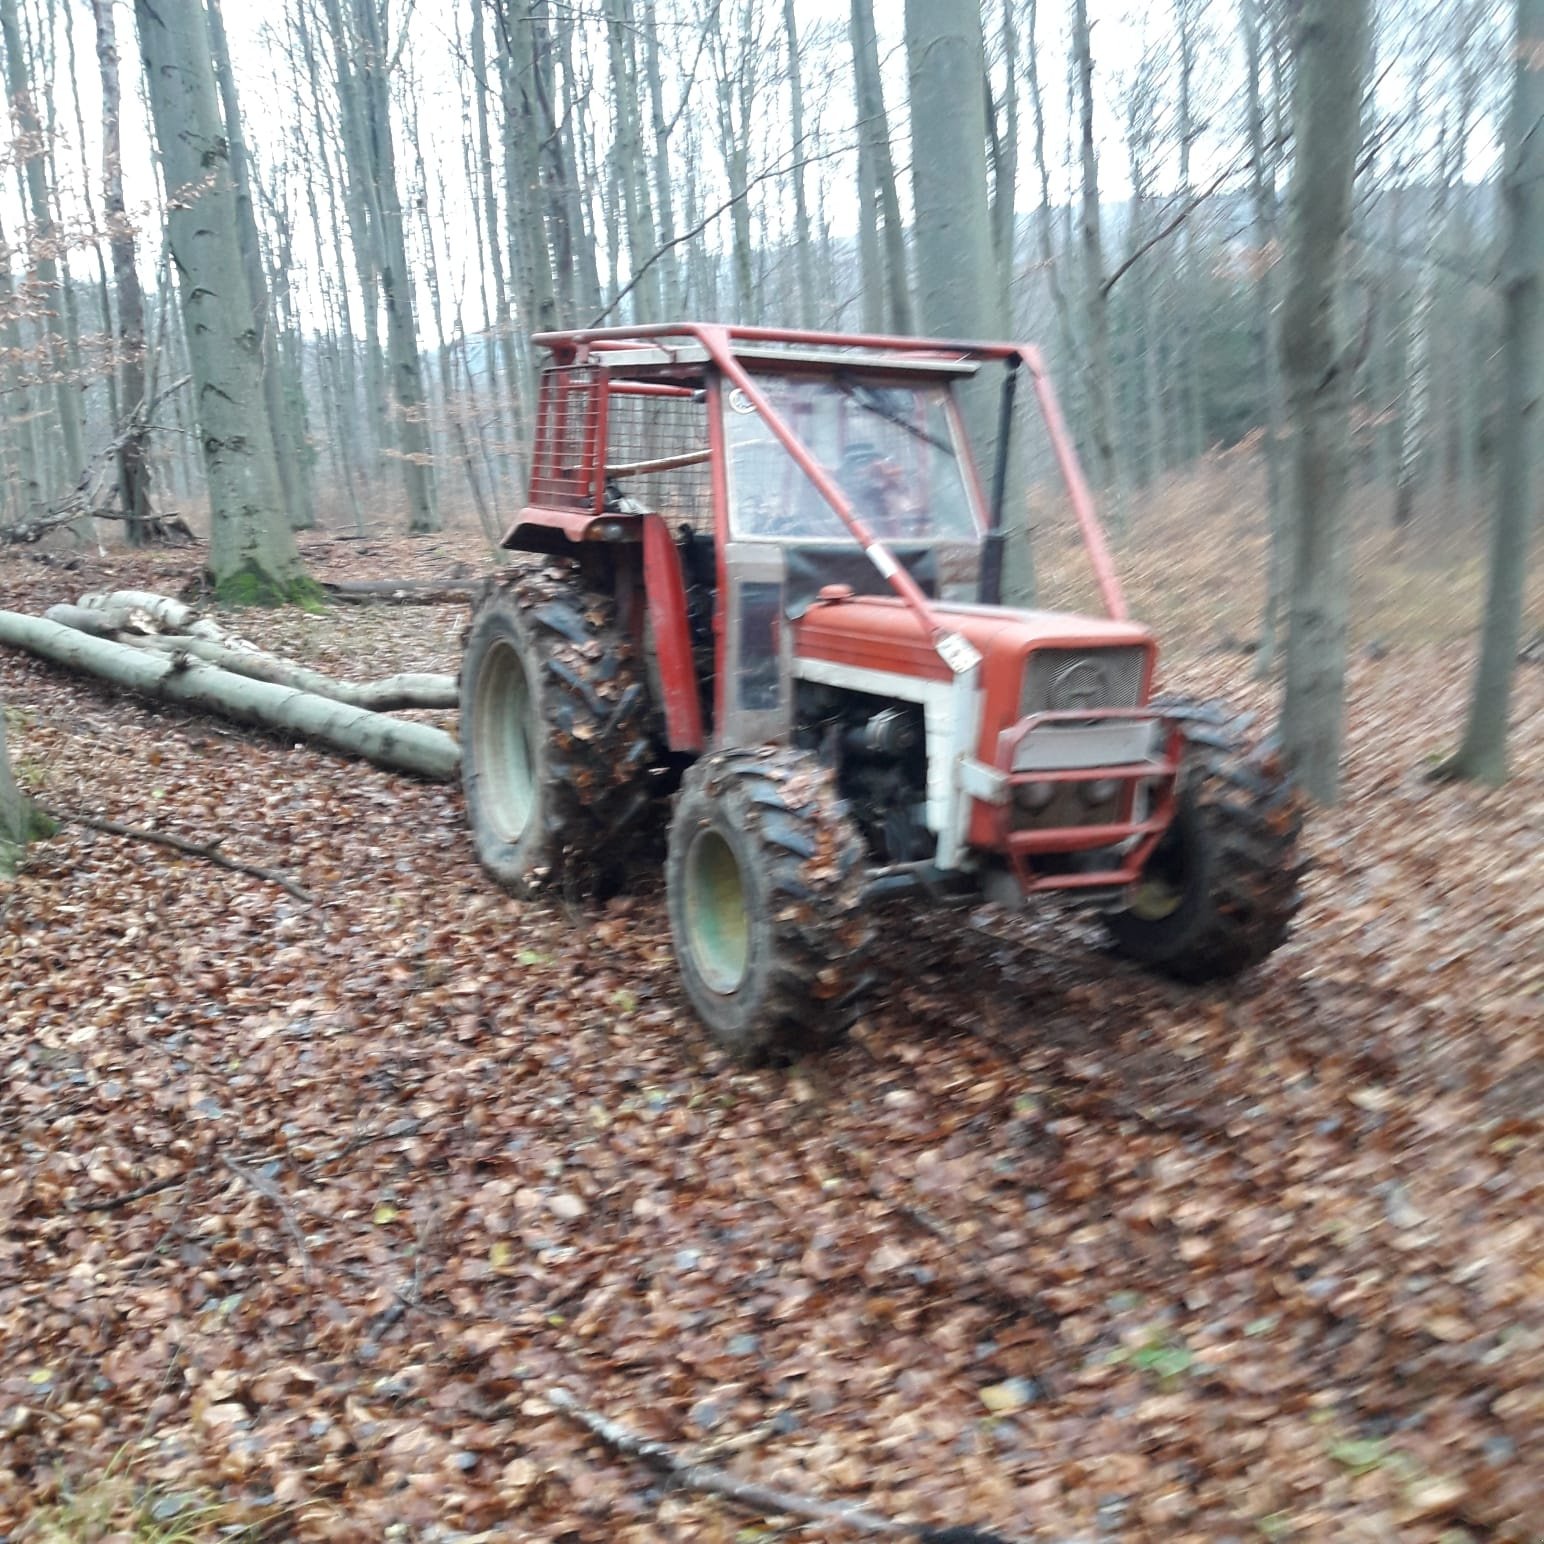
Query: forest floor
(303, 1208)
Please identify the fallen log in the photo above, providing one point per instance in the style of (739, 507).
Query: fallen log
(160, 608)
(411, 689)
(396, 743)
(100, 624)
(403, 592)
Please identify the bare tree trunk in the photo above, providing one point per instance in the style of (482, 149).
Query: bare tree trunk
(1482, 754)
(43, 243)
(291, 451)
(133, 466)
(874, 135)
(1005, 161)
(1262, 184)
(19, 823)
(395, 275)
(669, 264)
(802, 245)
(1096, 310)
(252, 554)
(959, 289)
(628, 150)
(1045, 222)
(493, 244)
(1331, 46)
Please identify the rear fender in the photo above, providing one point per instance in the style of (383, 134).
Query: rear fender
(665, 587)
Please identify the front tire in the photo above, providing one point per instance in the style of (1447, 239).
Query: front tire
(557, 736)
(765, 892)
(1221, 888)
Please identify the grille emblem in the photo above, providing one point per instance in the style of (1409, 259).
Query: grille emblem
(1082, 684)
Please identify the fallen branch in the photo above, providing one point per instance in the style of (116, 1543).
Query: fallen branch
(129, 1197)
(266, 1187)
(390, 742)
(208, 851)
(411, 689)
(764, 1500)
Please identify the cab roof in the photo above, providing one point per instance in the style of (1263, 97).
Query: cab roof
(692, 345)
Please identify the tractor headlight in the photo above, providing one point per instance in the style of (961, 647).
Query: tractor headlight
(1100, 791)
(1034, 797)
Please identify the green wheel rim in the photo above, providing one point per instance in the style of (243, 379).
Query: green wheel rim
(717, 914)
(506, 757)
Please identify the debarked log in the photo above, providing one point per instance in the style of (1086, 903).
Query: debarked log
(396, 743)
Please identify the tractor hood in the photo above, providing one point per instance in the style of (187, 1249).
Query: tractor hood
(883, 633)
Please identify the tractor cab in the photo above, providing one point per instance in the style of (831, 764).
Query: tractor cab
(775, 588)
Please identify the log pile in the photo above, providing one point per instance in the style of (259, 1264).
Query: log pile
(161, 648)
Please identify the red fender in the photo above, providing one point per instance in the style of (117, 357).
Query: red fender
(666, 591)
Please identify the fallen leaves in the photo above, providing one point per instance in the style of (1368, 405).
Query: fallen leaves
(1048, 1240)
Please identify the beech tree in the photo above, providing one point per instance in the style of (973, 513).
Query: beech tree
(252, 554)
(959, 289)
(43, 244)
(16, 815)
(1482, 755)
(1330, 47)
(133, 462)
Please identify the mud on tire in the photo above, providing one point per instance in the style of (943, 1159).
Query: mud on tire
(557, 732)
(765, 892)
(1220, 891)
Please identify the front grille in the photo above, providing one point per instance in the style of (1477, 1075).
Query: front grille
(1067, 807)
(1064, 680)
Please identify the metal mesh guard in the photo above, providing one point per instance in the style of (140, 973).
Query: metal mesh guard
(642, 431)
(567, 415)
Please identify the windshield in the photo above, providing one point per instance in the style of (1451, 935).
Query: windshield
(891, 449)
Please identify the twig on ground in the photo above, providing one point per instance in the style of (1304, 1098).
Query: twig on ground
(690, 1474)
(401, 1128)
(129, 1197)
(266, 1187)
(209, 851)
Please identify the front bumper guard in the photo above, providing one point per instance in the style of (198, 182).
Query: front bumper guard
(1146, 800)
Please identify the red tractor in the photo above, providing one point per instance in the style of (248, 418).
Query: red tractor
(774, 592)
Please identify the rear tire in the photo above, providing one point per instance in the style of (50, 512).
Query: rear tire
(557, 736)
(1219, 892)
(764, 884)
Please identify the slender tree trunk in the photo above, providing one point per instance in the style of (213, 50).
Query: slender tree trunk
(396, 277)
(628, 149)
(958, 288)
(493, 245)
(43, 243)
(252, 552)
(874, 134)
(23, 463)
(1262, 186)
(363, 221)
(1482, 755)
(1046, 221)
(19, 822)
(133, 466)
(1096, 309)
(297, 502)
(669, 264)
(803, 247)
(1331, 45)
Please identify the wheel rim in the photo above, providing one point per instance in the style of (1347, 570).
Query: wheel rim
(717, 914)
(506, 755)
(1161, 890)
